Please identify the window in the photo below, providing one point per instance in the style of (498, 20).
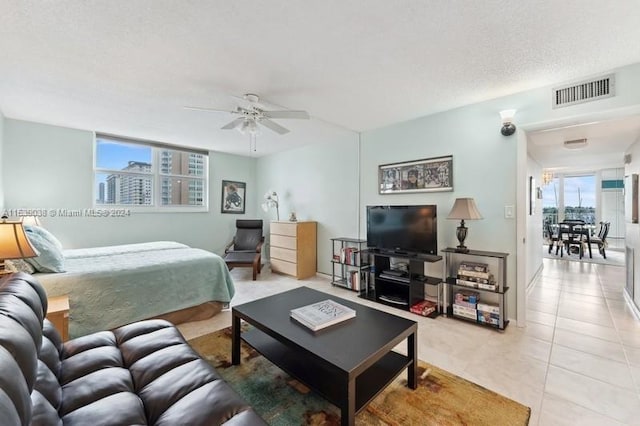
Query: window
(570, 197)
(149, 175)
(580, 197)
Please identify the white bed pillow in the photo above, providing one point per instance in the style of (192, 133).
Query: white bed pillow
(44, 234)
(49, 248)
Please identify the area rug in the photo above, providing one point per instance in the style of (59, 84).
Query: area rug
(441, 398)
(614, 257)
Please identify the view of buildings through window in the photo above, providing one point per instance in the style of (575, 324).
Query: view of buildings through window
(144, 175)
(572, 197)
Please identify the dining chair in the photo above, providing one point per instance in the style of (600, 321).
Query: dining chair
(601, 239)
(552, 238)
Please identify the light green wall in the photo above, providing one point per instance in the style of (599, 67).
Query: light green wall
(330, 181)
(320, 183)
(51, 168)
(484, 168)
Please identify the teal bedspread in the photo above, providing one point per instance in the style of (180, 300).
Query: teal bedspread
(112, 286)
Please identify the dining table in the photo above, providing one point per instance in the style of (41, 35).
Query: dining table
(577, 234)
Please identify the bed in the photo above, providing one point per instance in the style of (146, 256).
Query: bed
(116, 285)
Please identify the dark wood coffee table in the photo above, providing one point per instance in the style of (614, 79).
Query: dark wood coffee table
(347, 363)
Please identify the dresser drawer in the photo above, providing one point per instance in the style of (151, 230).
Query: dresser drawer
(290, 229)
(284, 267)
(283, 242)
(284, 254)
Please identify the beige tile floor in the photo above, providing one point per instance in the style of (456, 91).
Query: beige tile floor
(577, 361)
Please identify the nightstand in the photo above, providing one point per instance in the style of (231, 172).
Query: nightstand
(58, 314)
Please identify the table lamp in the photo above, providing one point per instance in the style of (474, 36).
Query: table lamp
(463, 209)
(14, 243)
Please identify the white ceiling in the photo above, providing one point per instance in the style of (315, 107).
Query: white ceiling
(606, 143)
(129, 67)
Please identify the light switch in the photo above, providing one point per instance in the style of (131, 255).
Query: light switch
(509, 212)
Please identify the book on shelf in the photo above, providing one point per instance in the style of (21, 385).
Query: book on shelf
(350, 256)
(466, 304)
(464, 311)
(486, 307)
(467, 296)
(488, 317)
(491, 286)
(474, 267)
(488, 285)
(463, 276)
(475, 274)
(354, 279)
(319, 315)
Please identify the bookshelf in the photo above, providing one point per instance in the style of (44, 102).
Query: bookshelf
(475, 287)
(350, 264)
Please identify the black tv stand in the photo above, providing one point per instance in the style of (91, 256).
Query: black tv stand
(399, 288)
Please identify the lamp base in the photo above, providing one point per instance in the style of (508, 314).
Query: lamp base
(461, 234)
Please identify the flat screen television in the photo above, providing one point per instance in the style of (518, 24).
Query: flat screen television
(403, 229)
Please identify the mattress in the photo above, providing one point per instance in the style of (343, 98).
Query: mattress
(112, 286)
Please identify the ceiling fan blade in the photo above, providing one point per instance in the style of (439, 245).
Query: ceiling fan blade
(194, 108)
(273, 126)
(304, 115)
(235, 123)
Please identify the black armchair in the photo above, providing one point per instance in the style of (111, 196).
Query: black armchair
(245, 250)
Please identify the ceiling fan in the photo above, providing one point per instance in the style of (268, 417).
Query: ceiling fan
(253, 114)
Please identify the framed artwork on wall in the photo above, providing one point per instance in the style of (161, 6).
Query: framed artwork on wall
(426, 175)
(233, 196)
(532, 195)
(631, 198)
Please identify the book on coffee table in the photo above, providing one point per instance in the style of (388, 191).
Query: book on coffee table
(322, 314)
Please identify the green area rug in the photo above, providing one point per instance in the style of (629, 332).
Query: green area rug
(441, 398)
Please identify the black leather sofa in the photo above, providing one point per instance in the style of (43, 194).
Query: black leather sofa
(139, 374)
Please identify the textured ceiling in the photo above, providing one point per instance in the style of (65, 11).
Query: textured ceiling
(129, 67)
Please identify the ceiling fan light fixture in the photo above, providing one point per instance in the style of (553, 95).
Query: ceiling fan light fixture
(575, 144)
(248, 126)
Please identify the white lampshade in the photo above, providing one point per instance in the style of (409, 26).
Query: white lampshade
(14, 243)
(507, 115)
(464, 209)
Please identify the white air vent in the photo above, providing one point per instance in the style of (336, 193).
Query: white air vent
(584, 91)
(575, 144)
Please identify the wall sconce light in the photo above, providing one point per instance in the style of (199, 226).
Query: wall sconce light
(508, 128)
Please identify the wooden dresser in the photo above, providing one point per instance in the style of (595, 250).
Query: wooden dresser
(293, 248)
